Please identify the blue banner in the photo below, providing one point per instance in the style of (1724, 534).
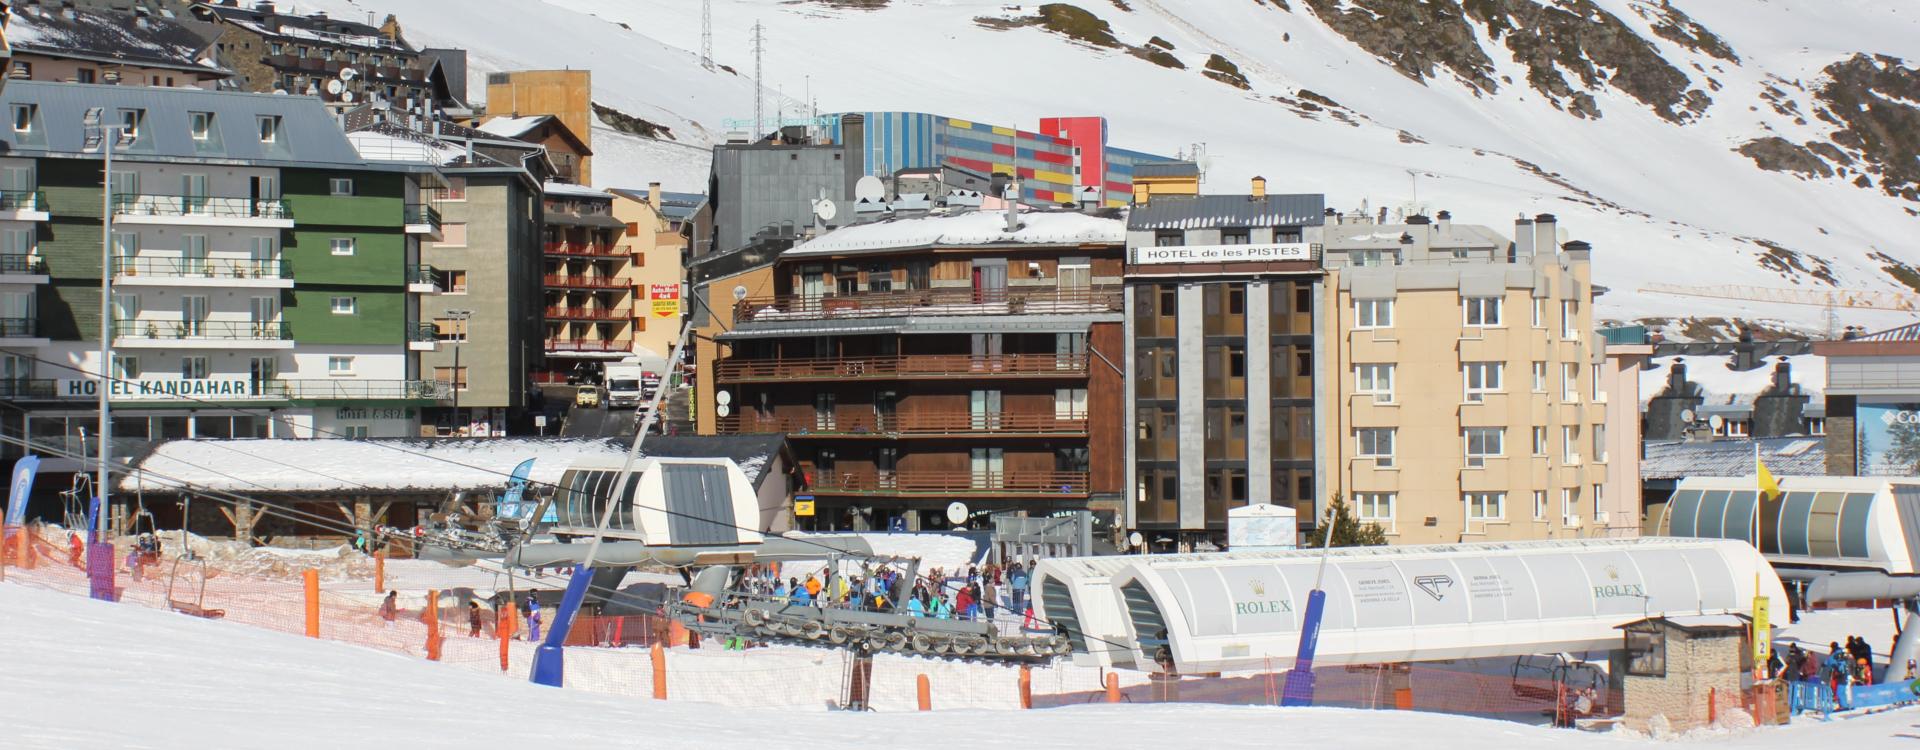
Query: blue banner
(22, 487)
(511, 505)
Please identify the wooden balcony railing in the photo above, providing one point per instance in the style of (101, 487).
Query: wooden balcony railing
(903, 366)
(588, 249)
(944, 483)
(1016, 300)
(588, 313)
(588, 282)
(856, 424)
(588, 345)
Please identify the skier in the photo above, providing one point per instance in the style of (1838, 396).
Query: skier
(390, 607)
(533, 619)
(76, 551)
(473, 619)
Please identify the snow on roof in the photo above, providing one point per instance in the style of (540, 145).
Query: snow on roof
(513, 127)
(377, 146)
(1725, 387)
(284, 465)
(968, 228)
(1785, 456)
(574, 191)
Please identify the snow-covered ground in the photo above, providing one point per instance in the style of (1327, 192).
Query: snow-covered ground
(81, 673)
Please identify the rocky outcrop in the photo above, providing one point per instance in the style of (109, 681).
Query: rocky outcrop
(1781, 155)
(627, 123)
(1875, 102)
(1223, 70)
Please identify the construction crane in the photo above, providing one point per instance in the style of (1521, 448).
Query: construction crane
(1817, 297)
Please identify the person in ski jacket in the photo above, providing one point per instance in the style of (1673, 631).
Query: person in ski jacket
(390, 606)
(473, 619)
(76, 551)
(533, 619)
(916, 606)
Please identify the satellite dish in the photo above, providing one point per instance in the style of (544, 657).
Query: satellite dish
(1134, 540)
(348, 74)
(279, 92)
(1715, 422)
(346, 96)
(869, 188)
(722, 410)
(739, 293)
(825, 209)
(335, 86)
(723, 398)
(956, 513)
(1687, 415)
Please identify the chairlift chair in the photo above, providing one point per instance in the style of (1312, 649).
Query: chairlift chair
(196, 607)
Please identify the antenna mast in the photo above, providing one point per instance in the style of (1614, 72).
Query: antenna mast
(706, 34)
(759, 96)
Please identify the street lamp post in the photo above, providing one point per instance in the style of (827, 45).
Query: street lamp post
(460, 317)
(100, 553)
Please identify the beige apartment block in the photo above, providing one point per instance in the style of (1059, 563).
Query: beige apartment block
(656, 239)
(1465, 399)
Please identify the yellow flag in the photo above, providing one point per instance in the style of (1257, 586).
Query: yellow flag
(1768, 487)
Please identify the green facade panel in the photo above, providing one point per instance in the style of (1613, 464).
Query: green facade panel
(380, 315)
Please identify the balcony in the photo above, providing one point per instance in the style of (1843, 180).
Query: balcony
(202, 334)
(213, 272)
(21, 331)
(942, 484)
(201, 210)
(348, 389)
(23, 205)
(588, 313)
(588, 346)
(20, 389)
(423, 279)
(423, 338)
(587, 282)
(21, 268)
(584, 249)
(422, 219)
(1018, 300)
(915, 424)
(903, 367)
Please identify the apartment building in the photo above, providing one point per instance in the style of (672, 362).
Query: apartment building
(591, 307)
(1223, 321)
(260, 268)
(970, 356)
(340, 61)
(550, 107)
(659, 226)
(1465, 400)
(125, 46)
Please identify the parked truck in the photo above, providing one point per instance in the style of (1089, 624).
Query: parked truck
(624, 384)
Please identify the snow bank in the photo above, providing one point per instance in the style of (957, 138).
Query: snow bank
(1723, 386)
(275, 465)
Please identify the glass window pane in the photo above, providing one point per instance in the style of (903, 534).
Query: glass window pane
(1680, 512)
(1713, 512)
(1823, 527)
(1739, 523)
(1793, 523)
(1853, 524)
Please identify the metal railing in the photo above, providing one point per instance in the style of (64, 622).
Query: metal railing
(132, 204)
(422, 332)
(914, 423)
(587, 282)
(424, 274)
(950, 482)
(223, 330)
(344, 389)
(904, 366)
(592, 249)
(23, 200)
(19, 327)
(19, 388)
(22, 263)
(1014, 300)
(588, 345)
(210, 268)
(588, 313)
(421, 213)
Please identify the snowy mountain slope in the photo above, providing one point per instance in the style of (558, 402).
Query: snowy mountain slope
(1622, 117)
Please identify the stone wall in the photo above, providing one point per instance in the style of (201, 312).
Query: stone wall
(1695, 666)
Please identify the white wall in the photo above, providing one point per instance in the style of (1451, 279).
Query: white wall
(222, 181)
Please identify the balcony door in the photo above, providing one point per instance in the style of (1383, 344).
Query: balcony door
(990, 280)
(18, 183)
(813, 283)
(15, 371)
(885, 403)
(16, 313)
(262, 371)
(885, 462)
(823, 408)
(983, 410)
(263, 193)
(265, 256)
(193, 254)
(989, 468)
(1069, 351)
(193, 193)
(125, 246)
(126, 189)
(264, 312)
(193, 315)
(987, 349)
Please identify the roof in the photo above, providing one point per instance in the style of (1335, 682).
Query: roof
(1909, 332)
(107, 35)
(1721, 385)
(407, 465)
(1166, 169)
(1699, 623)
(1679, 459)
(307, 135)
(523, 127)
(673, 205)
(1037, 228)
(1211, 211)
(313, 28)
(571, 190)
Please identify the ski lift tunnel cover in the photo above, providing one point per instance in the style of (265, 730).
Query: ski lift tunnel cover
(1231, 611)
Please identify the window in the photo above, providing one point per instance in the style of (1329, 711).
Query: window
(1070, 404)
(1539, 312)
(1570, 320)
(1600, 443)
(452, 235)
(22, 118)
(456, 189)
(1076, 273)
(84, 75)
(126, 367)
(1375, 443)
(1539, 441)
(1482, 443)
(1482, 378)
(1376, 380)
(1169, 238)
(338, 365)
(1570, 506)
(1570, 383)
(450, 329)
(879, 278)
(1372, 258)
(1375, 508)
(341, 245)
(194, 368)
(1570, 445)
(200, 125)
(1600, 504)
(919, 275)
(1599, 389)
(130, 122)
(455, 375)
(1485, 506)
(270, 131)
(1481, 312)
(1815, 426)
(454, 282)
(346, 305)
(1539, 505)
(1235, 236)
(1539, 377)
(354, 431)
(1373, 313)
(1647, 651)
(340, 186)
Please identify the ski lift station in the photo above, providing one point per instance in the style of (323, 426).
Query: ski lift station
(1816, 525)
(1236, 611)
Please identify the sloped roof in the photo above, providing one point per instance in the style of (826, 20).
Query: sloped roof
(513, 127)
(1213, 211)
(1063, 228)
(1909, 332)
(307, 134)
(107, 35)
(1679, 459)
(672, 205)
(1166, 169)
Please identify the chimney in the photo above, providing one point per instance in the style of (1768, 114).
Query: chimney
(653, 196)
(318, 15)
(1013, 207)
(1259, 188)
(1444, 221)
(264, 6)
(1523, 237)
(1578, 250)
(1545, 238)
(1140, 193)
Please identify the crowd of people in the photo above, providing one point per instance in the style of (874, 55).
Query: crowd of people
(978, 593)
(1844, 666)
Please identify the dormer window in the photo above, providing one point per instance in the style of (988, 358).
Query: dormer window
(130, 122)
(22, 118)
(200, 124)
(269, 129)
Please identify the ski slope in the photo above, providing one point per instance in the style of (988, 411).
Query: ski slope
(81, 673)
(1658, 200)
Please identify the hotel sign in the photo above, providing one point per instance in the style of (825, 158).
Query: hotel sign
(1295, 251)
(161, 389)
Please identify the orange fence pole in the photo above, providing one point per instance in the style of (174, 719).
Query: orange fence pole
(659, 672)
(1113, 688)
(30, 556)
(312, 579)
(503, 627)
(431, 616)
(380, 572)
(1710, 706)
(924, 690)
(1026, 687)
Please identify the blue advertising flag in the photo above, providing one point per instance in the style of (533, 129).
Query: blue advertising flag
(20, 489)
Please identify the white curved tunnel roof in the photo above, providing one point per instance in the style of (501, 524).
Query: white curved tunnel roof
(1394, 604)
